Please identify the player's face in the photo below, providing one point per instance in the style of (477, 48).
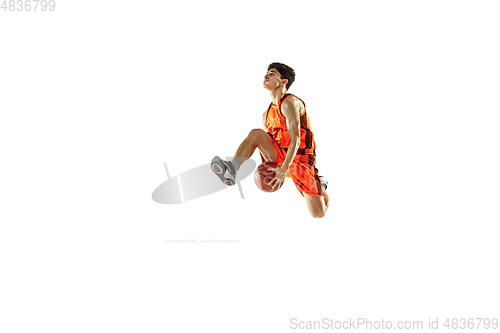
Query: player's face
(272, 80)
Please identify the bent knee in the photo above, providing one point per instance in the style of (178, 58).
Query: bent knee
(255, 134)
(318, 214)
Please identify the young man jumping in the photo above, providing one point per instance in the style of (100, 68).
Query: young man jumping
(287, 141)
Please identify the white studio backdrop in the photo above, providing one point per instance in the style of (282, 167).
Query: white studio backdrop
(96, 96)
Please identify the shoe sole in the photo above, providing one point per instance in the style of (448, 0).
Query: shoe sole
(219, 168)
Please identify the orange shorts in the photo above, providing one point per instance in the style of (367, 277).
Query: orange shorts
(302, 171)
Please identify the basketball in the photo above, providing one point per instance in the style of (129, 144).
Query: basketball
(263, 176)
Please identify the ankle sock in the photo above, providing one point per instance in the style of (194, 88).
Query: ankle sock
(236, 164)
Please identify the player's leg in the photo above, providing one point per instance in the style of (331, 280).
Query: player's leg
(257, 138)
(317, 205)
(312, 187)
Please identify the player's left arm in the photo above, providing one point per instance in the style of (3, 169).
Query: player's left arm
(291, 111)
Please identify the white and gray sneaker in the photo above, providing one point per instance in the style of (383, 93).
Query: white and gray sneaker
(224, 170)
(324, 183)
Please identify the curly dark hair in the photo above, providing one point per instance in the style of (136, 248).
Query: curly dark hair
(285, 71)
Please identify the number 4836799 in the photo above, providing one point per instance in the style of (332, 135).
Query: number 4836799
(28, 5)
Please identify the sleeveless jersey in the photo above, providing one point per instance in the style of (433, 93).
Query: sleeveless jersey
(276, 123)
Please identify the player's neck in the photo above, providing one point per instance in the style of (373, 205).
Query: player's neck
(276, 94)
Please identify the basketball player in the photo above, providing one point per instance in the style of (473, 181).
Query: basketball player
(287, 140)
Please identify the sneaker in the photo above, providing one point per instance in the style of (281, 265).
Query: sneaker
(224, 170)
(324, 183)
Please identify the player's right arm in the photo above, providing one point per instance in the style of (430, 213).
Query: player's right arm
(264, 122)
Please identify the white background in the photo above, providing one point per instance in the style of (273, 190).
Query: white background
(95, 96)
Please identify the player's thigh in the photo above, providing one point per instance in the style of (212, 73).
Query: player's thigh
(316, 205)
(265, 144)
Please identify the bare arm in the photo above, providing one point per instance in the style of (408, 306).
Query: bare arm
(291, 111)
